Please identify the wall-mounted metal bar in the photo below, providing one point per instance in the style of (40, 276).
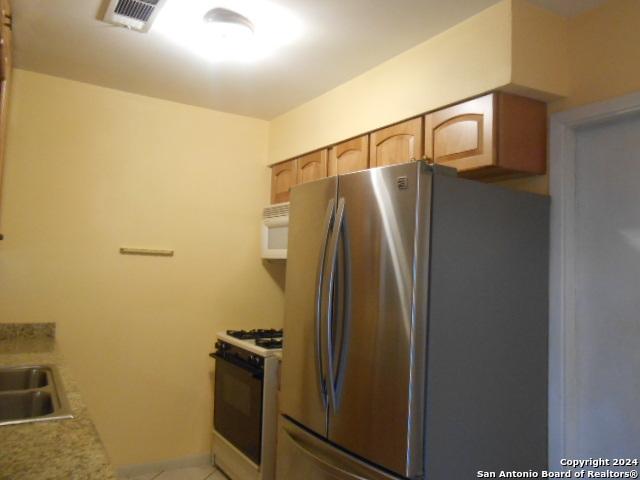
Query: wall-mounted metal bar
(146, 251)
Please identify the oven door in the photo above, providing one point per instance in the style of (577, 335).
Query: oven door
(237, 414)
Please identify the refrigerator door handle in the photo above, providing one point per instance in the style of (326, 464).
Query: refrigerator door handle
(343, 318)
(333, 257)
(322, 384)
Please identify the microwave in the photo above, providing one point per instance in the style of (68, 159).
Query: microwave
(275, 230)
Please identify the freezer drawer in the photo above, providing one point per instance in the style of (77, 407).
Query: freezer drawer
(303, 455)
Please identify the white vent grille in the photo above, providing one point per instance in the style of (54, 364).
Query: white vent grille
(133, 14)
(275, 211)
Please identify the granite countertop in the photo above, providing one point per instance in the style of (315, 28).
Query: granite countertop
(67, 449)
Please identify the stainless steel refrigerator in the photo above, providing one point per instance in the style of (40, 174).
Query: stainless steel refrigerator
(415, 328)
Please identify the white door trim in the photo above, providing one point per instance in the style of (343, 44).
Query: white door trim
(562, 349)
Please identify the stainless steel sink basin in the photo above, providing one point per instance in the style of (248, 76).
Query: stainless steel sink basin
(25, 405)
(31, 393)
(23, 378)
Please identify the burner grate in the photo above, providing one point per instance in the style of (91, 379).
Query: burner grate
(269, 343)
(258, 333)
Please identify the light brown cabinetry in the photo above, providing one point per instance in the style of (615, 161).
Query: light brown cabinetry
(5, 40)
(5, 80)
(312, 166)
(400, 143)
(497, 135)
(283, 176)
(492, 137)
(349, 156)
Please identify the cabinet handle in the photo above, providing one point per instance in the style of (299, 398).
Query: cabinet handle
(426, 158)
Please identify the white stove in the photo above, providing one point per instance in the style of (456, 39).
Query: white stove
(245, 403)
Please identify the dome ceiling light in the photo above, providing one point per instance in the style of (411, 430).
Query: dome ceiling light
(229, 25)
(228, 30)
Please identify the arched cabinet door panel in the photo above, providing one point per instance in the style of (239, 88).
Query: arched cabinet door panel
(400, 143)
(283, 176)
(349, 156)
(497, 135)
(462, 136)
(312, 166)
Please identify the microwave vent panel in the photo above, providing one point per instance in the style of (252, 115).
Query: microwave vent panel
(275, 211)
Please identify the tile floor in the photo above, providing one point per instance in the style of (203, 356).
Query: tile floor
(188, 473)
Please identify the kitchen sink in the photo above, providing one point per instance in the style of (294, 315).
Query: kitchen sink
(23, 378)
(25, 405)
(32, 393)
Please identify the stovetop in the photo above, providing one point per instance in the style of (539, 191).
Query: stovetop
(269, 343)
(264, 342)
(258, 333)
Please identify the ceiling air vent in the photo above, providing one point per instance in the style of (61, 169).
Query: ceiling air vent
(133, 14)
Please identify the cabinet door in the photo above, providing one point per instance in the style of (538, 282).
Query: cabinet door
(349, 156)
(5, 79)
(283, 176)
(5, 42)
(401, 143)
(312, 166)
(461, 136)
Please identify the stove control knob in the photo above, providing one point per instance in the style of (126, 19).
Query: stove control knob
(254, 360)
(222, 346)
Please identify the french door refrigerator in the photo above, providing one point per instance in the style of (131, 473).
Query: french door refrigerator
(416, 328)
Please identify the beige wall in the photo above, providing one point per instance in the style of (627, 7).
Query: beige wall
(495, 49)
(539, 54)
(604, 53)
(91, 169)
(471, 57)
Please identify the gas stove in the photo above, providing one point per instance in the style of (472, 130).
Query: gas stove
(245, 402)
(263, 342)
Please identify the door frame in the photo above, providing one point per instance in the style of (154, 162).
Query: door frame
(562, 312)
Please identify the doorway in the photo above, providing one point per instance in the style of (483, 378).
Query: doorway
(595, 282)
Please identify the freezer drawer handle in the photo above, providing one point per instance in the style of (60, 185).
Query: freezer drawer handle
(318, 307)
(322, 463)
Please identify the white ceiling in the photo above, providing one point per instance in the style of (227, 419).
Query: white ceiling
(340, 39)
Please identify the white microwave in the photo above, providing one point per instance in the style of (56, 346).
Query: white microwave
(275, 230)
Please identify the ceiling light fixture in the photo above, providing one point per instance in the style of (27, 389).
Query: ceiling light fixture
(228, 30)
(229, 26)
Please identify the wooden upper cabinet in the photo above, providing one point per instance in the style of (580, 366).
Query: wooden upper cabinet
(461, 136)
(283, 176)
(349, 156)
(5, 41)
(497, 135)
(492, 137)
(400, 143)
(5, 77)
(312, 166)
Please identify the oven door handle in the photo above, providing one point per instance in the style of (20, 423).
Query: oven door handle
(254, 371)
